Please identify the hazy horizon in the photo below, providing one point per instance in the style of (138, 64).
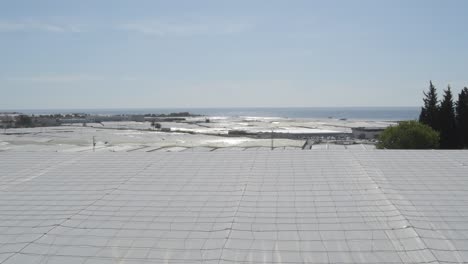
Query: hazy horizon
(220, 107)
(211, 54)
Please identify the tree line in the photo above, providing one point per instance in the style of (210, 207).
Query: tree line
(447, 117)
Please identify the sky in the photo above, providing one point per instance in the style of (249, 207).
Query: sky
(242, 53)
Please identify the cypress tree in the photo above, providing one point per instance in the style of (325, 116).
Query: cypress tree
(462, 117)
(430, 111)
(447, 125)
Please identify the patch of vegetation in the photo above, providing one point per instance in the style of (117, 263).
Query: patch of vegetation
(409, 135)
(447, 117)
(23, 121)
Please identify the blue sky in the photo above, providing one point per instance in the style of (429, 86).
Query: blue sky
(119, 54)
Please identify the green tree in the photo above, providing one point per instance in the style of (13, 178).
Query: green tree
(409, 135)
(447, 122)
(430, 111)
(462, 117)
(23, 121)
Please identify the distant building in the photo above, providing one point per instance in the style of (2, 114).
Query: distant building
(367, 132)
(103, 118)
(46, 121)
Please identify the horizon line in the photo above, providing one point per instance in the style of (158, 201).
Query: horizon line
(202, 107)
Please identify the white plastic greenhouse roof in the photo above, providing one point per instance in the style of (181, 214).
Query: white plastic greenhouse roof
(343, 206)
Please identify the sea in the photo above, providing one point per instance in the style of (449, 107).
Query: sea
(357, 113)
